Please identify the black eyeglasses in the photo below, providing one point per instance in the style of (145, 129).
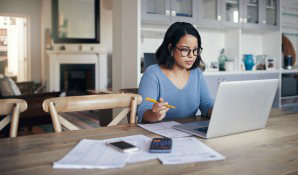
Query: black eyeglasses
(186, 51)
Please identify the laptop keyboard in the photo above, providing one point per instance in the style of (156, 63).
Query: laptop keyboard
(203, 130)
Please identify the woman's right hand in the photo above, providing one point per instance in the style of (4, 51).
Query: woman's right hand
(160, 109)
(157, 113)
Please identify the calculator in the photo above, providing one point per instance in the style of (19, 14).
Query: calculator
(161, 145)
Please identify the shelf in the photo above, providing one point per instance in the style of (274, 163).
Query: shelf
(289, 101)
(252, 5)
(3, 58)
(289, 105)
(290, 34)
(153, 31)
(231, 2)
(289, 71)
(290, 14)
(270, 7)
(289, 97)
(239, 72)
(3, 49)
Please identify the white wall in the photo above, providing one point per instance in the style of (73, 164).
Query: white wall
(32, 9)
(126, 43)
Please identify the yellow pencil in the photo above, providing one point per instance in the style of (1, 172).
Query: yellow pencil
(154, 101)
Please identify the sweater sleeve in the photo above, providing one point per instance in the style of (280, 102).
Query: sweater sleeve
(148, 88)
(206, 102)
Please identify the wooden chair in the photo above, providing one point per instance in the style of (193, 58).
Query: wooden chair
(12, 108)
(91, 102)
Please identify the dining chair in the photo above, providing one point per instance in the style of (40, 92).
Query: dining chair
(11, 109)
(91, 102)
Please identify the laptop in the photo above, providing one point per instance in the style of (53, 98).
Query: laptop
(239, 106)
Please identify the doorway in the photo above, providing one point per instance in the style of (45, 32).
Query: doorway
(14, 47)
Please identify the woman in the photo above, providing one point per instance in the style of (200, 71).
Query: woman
(177, 79)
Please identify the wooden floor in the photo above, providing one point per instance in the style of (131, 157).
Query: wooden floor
(272, 151)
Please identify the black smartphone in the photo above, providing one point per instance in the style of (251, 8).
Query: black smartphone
(123, 146)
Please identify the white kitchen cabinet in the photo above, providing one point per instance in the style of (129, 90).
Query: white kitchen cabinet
(168, 11)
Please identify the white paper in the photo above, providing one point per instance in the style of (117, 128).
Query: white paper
(165, 129)
(91, 154)
(189, 150)
(143, 153)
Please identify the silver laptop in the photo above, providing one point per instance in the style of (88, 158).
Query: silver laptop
(239, 106)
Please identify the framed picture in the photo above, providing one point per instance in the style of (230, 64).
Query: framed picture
(270, 64)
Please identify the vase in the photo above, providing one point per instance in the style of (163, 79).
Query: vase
(248, 62)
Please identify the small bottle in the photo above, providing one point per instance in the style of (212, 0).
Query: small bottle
(288, 60)
(221, 60)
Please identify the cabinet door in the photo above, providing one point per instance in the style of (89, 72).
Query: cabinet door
(210, 13)
(271, 14)
(156, 11)
(252, 14)
(242, 77)
(232, 13)
(276, 100)
(268, 76)
(184, 10)
(214, 81)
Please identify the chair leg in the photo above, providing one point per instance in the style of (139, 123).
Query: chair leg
(15, 121)
(133, 110)
(55, 118)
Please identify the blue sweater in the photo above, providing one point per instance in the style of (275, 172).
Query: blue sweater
(193, 96)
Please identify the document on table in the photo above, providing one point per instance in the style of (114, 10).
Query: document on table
(165, 129)
(90, 154)
(189, 150)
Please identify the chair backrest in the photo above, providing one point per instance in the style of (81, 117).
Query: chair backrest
(12, 108)
(91, 102)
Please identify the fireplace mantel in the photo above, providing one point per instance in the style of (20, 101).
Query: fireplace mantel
(97, 57)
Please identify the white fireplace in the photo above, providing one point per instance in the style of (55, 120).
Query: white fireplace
(98, 58)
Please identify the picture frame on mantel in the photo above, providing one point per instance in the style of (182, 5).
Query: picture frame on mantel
(76, 21)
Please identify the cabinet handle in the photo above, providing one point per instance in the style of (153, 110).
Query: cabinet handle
(167, 12)
(173, 13)
(219, 18)
(245, 20)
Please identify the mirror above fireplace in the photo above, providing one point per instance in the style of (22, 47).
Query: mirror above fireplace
(75, 21)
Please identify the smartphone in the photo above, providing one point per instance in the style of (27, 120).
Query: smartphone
(123, 146)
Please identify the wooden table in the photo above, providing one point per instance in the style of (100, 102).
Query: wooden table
(273, 150)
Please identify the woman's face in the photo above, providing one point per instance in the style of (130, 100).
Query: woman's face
(185, 52)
